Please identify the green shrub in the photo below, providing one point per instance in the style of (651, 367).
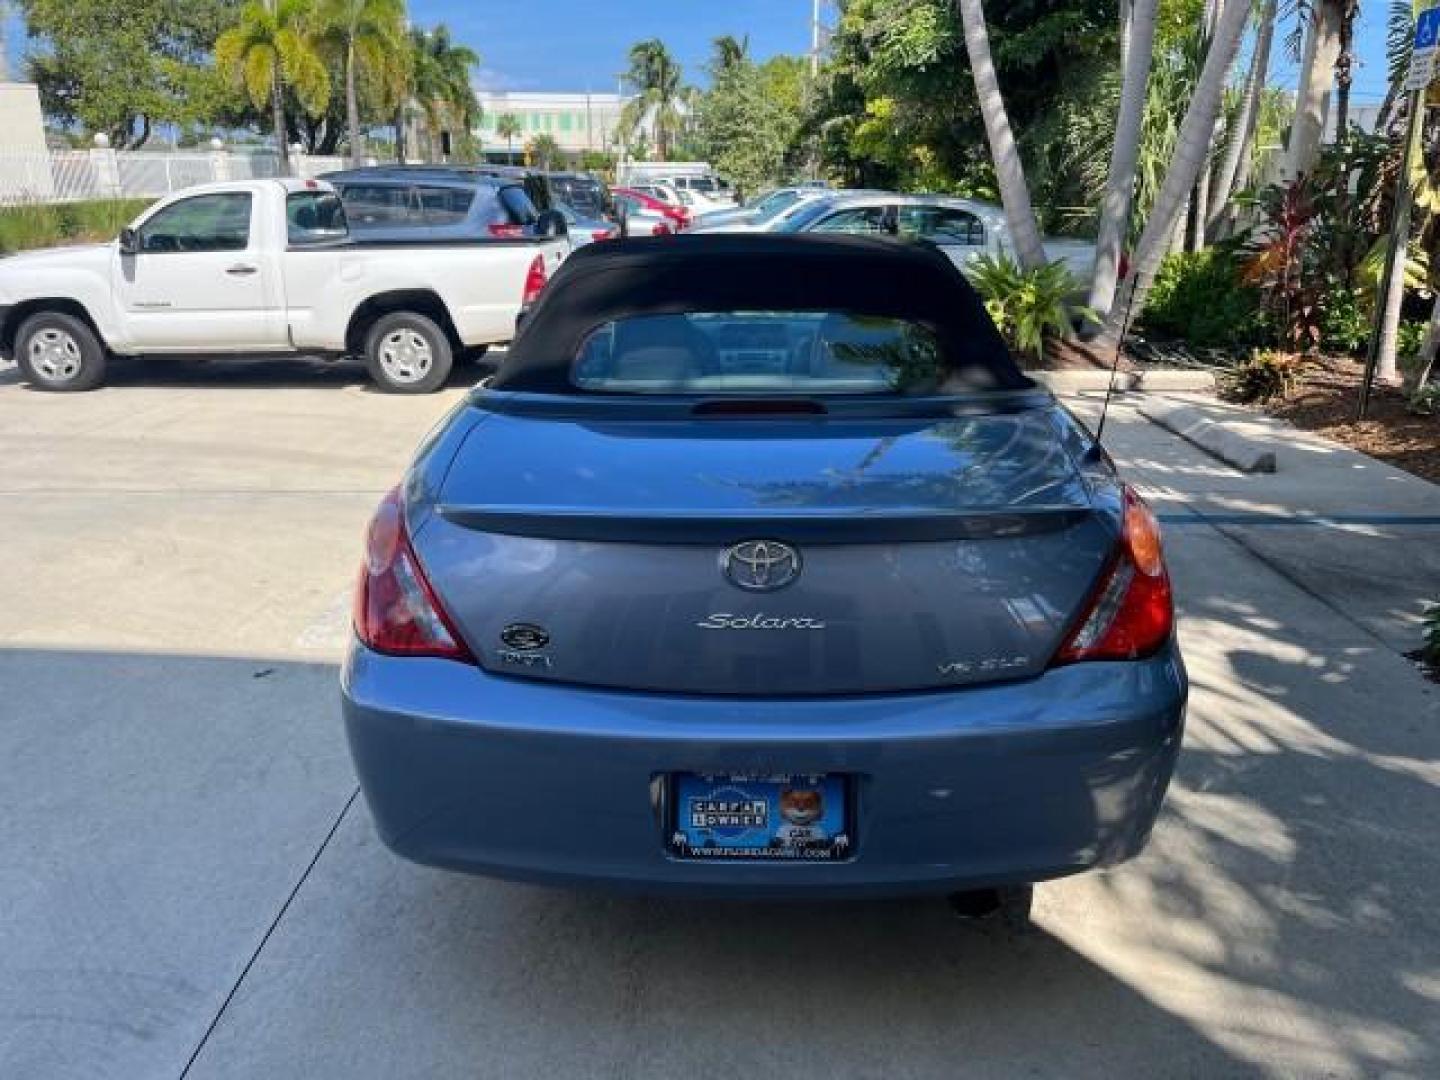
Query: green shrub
(1424, 401)
(35, 225)
(1410, 337)
(1028, 305)
(1200, 298)
(1264, 375)
(1345, 320)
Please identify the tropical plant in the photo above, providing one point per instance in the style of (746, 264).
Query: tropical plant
(1282, 266)
(729, 52)
(440, 83)
(269, 49)
(543, 150)
(1191, 153)
(368, 35)
(507, 126)
(1004, 155)
(1199, 298)
(1263, 376)
(1137, 45)
(748, 121)
(1029, 306)
(655, 77)
(1346, 315)
(1426, 402)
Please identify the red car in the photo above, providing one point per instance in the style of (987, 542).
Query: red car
(678, 216)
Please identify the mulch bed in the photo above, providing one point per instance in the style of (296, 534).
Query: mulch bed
(1325, 404)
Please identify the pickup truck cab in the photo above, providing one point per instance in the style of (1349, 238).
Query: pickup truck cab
(260, 267)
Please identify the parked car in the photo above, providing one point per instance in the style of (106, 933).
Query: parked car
(386, 203)
(585, 194)
(270, 267)
(772, 216)
(771, 202)
(840, 604)
(664, 193)
(582, 230)
(962, 228)
(707, 192)
(638, 208)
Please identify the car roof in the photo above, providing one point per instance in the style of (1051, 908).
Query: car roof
(720, 272)
(408, 174)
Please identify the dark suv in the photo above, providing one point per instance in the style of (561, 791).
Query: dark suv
(401, 202)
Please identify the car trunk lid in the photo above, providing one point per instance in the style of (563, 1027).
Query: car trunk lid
(785, 556)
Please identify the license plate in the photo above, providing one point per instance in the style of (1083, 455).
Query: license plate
(744, 816)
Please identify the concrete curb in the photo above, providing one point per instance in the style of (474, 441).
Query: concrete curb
(1169, 380)
(1220, 438)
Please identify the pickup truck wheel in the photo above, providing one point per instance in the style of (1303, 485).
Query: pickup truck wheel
(407, 353)
(59, 352)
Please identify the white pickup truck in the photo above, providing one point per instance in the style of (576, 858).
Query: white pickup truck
(267, 266)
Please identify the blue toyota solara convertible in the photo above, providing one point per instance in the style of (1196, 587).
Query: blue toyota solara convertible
(759, 570)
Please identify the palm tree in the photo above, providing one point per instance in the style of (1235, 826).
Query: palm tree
(1138, 40)
(1009, 170)
(656, 78)
(730, 53)
(440, 81)
(507, 127)
(1242, 133)
(1317, 72)
(544, 151)
(1193, 144)
(362, 33)
(269, 48)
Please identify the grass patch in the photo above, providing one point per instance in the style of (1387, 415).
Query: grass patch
(38, 225)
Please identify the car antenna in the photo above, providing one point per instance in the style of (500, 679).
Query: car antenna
(1119, 346)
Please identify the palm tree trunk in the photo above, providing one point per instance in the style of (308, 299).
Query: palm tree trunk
(400, 134)
(352, 108)
(1138, 42)
(1322, 48)
(1009, 169)
(1242, 136)
(1344, 65)
(277, 117)
(1196, 131)
(1425, 362)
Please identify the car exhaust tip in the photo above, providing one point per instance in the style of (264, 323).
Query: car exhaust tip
(1005, 905)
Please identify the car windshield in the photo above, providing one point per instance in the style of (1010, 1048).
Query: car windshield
(776, 205)
(769, 352)
(803, 216)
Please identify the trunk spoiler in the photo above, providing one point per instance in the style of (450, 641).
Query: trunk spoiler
(688, 527)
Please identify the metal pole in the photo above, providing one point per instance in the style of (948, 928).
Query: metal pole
(1399, 245)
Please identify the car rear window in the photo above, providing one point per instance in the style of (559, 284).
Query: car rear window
(583, 194)
(314, 217)
(445, 205)
(380, 204)
(765, 352)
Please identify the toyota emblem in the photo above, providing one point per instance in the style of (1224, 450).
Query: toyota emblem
(760, 565)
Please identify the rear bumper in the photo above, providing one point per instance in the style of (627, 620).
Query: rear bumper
(1010, 783)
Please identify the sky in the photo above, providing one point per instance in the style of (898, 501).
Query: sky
(579, 45)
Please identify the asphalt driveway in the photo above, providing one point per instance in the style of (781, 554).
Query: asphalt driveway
(189, 887)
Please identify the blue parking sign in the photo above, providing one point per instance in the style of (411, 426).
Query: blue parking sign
(1427, 28)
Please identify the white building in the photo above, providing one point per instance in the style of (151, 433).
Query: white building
(577, 122)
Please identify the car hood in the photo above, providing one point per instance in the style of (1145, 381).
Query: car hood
(51, 256)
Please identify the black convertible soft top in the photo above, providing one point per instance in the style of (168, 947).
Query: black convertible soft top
(911, 281)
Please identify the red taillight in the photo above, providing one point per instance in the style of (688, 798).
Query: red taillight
(395, 609)
(506, 230)
(602, 234)
(660, 229)
(1132, 613)
(534, 281)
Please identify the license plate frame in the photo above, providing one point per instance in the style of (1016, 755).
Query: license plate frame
(755, 817)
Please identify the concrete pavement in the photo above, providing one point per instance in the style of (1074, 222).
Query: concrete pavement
(186, 887)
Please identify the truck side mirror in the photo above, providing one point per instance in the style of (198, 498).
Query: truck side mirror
(129, 241)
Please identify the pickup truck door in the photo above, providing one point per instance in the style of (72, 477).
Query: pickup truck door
(199, 279)
(958, 233)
